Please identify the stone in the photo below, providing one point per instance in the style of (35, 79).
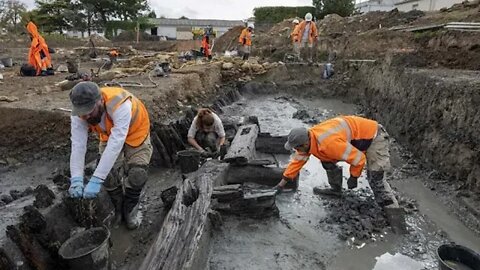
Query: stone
(15, 194)
(6, 198)
(227, 66)
(1, 77)
(9, 99)
(62, 69)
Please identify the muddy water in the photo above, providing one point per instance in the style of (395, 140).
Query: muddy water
(297, 240)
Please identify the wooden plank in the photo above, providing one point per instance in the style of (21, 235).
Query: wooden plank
(182, 239)
(243, 145)
(269, 144)
(267, 176)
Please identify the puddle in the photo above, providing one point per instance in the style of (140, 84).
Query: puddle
(398, 261)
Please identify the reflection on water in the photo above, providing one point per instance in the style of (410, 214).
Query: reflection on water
(398, 261)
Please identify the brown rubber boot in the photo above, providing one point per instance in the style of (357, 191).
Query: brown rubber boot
(335, 180)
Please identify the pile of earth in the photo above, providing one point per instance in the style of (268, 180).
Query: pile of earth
(228, 41)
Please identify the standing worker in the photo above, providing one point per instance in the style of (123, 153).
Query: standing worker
(123, 126)
(245, 40)
(296, 45)
(352, 139)
(206, 46)
(39, 55)
(206, 133)
(305, 32)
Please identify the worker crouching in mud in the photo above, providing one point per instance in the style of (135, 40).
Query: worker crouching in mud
(206, 134)
(123, 126)
(352, 139)
(39, 60)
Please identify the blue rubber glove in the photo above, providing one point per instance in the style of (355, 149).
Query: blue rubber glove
(76, 187)
(92, 188)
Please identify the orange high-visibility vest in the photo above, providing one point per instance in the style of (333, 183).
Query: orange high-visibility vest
(139, 129)
(300, 28)
(248, 37)
(344, 138)
(205, 46)
(37, 48)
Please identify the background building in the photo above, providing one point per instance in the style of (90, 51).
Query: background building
(183, 29)
(404, 5)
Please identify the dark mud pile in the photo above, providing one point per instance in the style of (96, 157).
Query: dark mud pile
(357, 215)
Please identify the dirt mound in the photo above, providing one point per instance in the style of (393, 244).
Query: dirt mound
(98, 41)
(229, 40)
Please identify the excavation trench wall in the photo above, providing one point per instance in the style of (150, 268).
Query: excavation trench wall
(433, 113)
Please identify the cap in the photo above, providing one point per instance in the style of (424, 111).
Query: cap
(297, 137)
(296, 21)
(83, 96)
(250, 25)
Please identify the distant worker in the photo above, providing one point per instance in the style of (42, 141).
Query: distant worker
(295, 23)
(245, 40)
(113, 55)
(123, 126)
(305, 35)
(39, 55)
(206, 46)
(352, 139)
(206, 133)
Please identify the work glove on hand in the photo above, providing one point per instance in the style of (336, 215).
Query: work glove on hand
(278, 189)
(92, 188)
(76, 187)
(352, 182)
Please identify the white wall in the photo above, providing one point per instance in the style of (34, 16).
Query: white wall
(375, 5)
(169, 31)
(427, 5)
(184, 35)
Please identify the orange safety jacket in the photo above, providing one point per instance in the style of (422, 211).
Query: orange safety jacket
(205, 46)
(38, 55)
(344, 138)
(247, 35)
(292, 35)
(300, 28)
(139, 129)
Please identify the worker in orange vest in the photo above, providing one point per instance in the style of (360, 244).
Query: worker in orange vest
(206, 46)
(245, 40)
(305, 35)
(295, 23)
(352, 139)
(39, 55)
(123, 126)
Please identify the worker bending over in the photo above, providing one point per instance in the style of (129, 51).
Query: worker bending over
(352, 139)
(123, 126)
(39, 55)
(206, 133)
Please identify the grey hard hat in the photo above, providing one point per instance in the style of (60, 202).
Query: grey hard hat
(84, 96)
(296, 138)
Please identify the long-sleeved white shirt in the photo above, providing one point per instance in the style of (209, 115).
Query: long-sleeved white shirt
(79, 129)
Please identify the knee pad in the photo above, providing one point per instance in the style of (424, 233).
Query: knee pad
(137, 177)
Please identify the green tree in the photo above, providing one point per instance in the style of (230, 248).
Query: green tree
(341, 7)
(11, 12)
(183, 18)
(152, 14)
(54, 15)
(130, 9)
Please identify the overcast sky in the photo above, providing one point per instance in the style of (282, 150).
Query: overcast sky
(211, 9)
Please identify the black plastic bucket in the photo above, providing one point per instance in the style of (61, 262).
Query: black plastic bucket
(456, 257)
(189, 160)
(87, 250)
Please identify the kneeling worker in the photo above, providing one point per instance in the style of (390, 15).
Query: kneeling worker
(206, 133)
(352, 139)
(123, 126)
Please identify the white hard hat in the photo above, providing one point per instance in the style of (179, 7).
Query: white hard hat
(250, 25)
(296, 21)
(308, 17)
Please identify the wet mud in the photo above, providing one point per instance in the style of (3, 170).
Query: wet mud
(316, 232)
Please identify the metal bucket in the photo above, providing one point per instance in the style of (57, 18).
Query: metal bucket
(7, 62)
(456, 257)
(89, 249)
(189, 160)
